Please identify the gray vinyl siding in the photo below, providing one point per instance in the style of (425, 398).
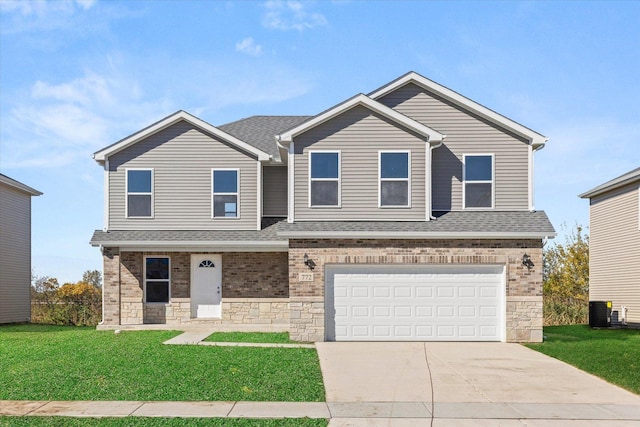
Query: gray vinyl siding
(274, 191)
(359, 134)
(15, 255)
(182, 157)
(614, 250)
(466, 134)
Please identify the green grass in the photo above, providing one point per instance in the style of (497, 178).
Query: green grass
(72, 363)
(254, 337)
(148, 422)
(611, 354)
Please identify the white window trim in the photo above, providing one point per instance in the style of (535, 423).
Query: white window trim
(339, 179)
(380, 179)
(144, 278)
(237, 194)
(126, 193)
(492, 182)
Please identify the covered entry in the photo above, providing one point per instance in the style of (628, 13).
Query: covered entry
(414, 302)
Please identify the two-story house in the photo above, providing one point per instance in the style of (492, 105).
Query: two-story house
(404, 214)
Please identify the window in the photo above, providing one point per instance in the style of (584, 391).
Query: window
(139, 193)
(324, 177)
(393, 173)
(226, 183)
(156, 279)
(478, 181)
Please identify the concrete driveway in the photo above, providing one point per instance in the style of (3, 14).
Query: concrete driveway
(396, 383)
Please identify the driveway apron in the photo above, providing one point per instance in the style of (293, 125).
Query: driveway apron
(458, 373)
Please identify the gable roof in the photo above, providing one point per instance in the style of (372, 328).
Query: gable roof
(622, 180)
(19, 186)
(434, 137)
(537, 140)
(102, 155)
(261, 131)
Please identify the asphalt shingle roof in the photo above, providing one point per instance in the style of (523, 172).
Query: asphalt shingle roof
(118, 237)
(260, 131)
(497, 223)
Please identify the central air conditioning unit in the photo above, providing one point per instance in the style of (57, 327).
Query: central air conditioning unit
(600, 314)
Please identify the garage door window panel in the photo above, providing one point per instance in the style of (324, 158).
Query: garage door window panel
(478, 180)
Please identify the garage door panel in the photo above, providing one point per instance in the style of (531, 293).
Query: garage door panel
(429, 303)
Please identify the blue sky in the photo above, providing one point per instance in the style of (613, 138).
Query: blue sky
(78, 75)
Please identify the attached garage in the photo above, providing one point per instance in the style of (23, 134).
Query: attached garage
(415, 302)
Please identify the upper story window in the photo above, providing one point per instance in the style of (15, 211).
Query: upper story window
(394, 178)
(139, 193)
(157, 279)
(226, 193)
(478, 181)
(324, 178)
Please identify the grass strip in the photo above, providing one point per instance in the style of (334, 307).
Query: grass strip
(611, 354)
(251, 337)
(72, 363)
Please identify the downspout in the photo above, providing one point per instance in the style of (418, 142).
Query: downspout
(431, 147)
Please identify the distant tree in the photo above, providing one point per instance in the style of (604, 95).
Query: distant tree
(566, 280)
(92, 277)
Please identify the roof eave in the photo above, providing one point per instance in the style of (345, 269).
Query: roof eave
(535, 139)
(102, 155)
(221, 245)
(413, 234)
(594, 192)
(433, 137)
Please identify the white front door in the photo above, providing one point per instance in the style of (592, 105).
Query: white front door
(206, 286)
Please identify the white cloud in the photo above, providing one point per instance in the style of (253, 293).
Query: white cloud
(249, 46)
(290, 15)
(55, 124)
(20, 16)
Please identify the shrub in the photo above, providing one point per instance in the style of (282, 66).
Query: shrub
(77, 304)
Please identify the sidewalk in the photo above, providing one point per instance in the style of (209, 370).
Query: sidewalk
(346, 413)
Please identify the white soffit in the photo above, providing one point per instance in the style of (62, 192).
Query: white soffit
(101, 156)
(537, 140)
(434, 137)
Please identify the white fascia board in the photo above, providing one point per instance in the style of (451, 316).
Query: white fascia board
(537, 140)
(10, 182)
(411, 235)
(101, 156)
(433, 136)
(185, 246)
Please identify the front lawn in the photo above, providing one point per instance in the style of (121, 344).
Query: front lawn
(71, 363)
(611, 354)
(153, 422)
(251, 337)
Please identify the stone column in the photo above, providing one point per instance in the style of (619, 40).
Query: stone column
(111, 287)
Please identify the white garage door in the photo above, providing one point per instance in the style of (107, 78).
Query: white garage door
(414, 303)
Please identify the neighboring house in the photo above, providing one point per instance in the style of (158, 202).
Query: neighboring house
(405, 214)
(15, 250)
(614, 244)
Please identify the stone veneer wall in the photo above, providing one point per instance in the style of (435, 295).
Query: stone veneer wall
(249, 282)
(524, 287)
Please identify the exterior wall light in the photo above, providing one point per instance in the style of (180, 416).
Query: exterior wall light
(309, 262)
(526, 261)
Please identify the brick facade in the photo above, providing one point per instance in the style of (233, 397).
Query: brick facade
(264, 288)
(524, 286)
(254, 289)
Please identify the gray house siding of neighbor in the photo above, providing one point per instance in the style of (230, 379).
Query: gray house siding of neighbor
(15, 250)
(614, 245)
